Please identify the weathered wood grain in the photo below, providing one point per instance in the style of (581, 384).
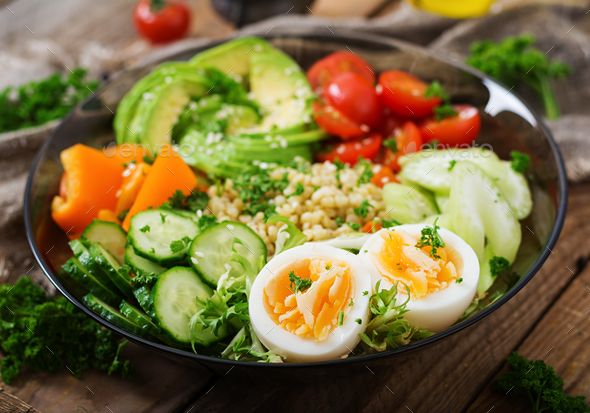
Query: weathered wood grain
(159, 385)
(11, 404)
(446, 377)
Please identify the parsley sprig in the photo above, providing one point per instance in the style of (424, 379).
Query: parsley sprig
(521, 162)
(299, 284)
(430, 237)
(363, 209)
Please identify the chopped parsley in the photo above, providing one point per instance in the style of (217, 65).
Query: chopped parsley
(299, 284)
(436, 90)
(354, 226)
(339, 166)
(270, 212)
(179, 245)
(206, 221)
(452, 165)
(365, 293)
(145, 229)
(298, 190)
(500, 267)
(391, 143)
(459, 280)
(358, 321)
(328, 266)
(254, 185)
(339, 221)
(521, 162)
(431, 238)
(341, 318)
(163, 216)
(351, 303)
(363, 209)
(444, 111)
(367, 173)
(196, 201)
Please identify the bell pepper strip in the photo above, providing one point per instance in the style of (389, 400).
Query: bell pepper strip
(372, 226)
(168, 174)
(108, 216)
(127, 153)
(133, 179)
(89, 184)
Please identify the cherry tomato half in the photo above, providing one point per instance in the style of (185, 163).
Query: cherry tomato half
(390, 123)
(382, 175)
(335, 123)
(324, 70)
(404, 94)
(161, 21)
(350, 152)
(453, 131)
(407, 140)
(355, 97)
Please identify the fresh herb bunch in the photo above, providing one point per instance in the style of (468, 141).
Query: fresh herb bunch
(515, 60)
(500, 267)
(541, 384)
(41, 101)
(44, 333)
(431, 238)
(521, 162)
(253, 185)
(388, 328)
(196, 201)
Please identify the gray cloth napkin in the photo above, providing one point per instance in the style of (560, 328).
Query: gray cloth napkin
(563, 31)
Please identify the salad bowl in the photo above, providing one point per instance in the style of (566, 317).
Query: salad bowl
(507, 124)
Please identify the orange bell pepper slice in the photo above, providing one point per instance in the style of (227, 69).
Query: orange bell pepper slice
(127, 153)
(89, 184)
(168, 174)
(383, 176)
(134, 177)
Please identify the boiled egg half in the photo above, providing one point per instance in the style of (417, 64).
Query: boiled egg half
(310, 303)
(441, 285)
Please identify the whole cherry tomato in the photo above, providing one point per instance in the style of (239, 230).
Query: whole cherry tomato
(324, 70)
(162, 21)
(334, 122)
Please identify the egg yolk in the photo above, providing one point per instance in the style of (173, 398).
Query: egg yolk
(413, 267)
(314, 312)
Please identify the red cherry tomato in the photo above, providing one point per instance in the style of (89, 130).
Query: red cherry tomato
(390, 123)
(324, 70)
(382, 175)
(461, 129)
(407, 140)
(161, 21)
(355, 97)
(334, 122)
(349, 152)
(404, 94)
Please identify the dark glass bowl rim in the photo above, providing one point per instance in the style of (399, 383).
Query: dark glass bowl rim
(315, 34)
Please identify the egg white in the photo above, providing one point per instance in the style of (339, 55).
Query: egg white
(439, 310)
(342, 340)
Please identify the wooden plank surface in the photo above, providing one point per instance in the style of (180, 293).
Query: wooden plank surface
(11, 404)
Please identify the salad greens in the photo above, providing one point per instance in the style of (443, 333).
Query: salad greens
(542, 386)
(43, 333)
(515, 61)
(39, 102)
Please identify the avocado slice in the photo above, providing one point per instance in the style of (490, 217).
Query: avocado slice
(233, 57)
(280, 87)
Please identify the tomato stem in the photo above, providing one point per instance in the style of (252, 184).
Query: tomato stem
(157, 5)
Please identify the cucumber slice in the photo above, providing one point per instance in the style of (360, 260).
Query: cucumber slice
(111, 314)
(408, 204)
(212, 249)
(143, 296)
(90, 264)
(108, 234)
(139, 265)
(164, 227)
(430, 168)
(485, 275)
(479, 213)
(174, 302)
(142, 320)
(111, 267)
(79, 273)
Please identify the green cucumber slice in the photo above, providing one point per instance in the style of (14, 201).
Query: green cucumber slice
(79, 274)
(108, 234)
(142, 294)
(142, 320)
(88, 262)
(479, 214)
(408, 204)
(139, 265)
(111, 268)
(212, 249)
(160, 228)
(485, 275)
(111, 314)
(174, 302)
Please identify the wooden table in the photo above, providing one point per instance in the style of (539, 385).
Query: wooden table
(548, 319)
